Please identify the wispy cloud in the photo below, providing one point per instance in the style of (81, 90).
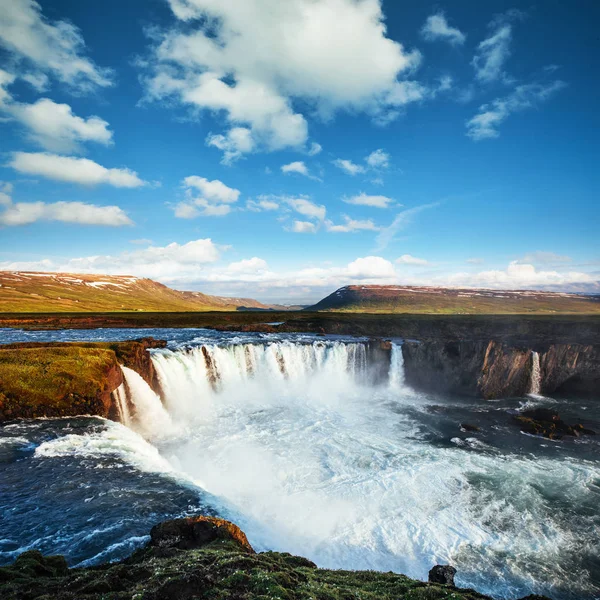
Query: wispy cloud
(485, 124)
(436, 28)
(402, 220)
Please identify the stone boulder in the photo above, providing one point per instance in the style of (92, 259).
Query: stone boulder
(442, 574)
(196, 532)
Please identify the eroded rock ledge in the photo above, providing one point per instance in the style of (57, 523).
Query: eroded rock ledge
(67, 379)
(206, 557)
(494, 369)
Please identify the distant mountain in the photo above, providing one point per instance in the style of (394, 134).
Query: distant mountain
(67, 292)
(438, 300)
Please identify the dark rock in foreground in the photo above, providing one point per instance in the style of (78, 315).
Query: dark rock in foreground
(205, 557)
(442, 574)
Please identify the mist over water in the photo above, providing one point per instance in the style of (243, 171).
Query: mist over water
(302, 443)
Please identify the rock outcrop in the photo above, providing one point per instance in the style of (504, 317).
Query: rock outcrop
(495, 369)
(547, 423)
(196, 532)
(204, 557)
(68, 379)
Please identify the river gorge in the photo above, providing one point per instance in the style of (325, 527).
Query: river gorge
(355, 453)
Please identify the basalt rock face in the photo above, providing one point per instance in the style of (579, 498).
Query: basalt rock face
(494, 369)
(68, 379)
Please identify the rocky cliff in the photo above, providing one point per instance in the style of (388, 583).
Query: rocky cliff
(495, 369)
(62, 379)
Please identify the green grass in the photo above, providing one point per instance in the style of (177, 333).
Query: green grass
(53, 381)
(219, 571)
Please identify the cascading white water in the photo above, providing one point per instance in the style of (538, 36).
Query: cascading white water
(149, 417)
(298, 446)
(191, 380)
(120, 396)
(536, 375)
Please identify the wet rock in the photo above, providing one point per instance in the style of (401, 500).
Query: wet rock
(468, 427)
(34, 564)
(442, 574)
(196, 532)
(547, 423)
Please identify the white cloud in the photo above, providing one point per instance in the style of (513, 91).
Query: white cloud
(307, 208)
(484, 125)
(296, 167)
(544, 258)
(205, 198)
(212, 191)
(474, 261)
(519, 276)
(304, 227)
(73, 170)
(250, 265)
(367, 200)
(255, 62)
(234, 144)
(54, 126)
(378, 159)
(492, 53)
(314, 149)
(407, 259)
(348, 166)
(436, 28)
(50, 47)
(25, 213)
(263, 203)
(5, 192)
(351, 226)
(6, 79)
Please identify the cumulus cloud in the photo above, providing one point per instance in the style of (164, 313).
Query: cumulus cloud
(348, 166)
(205, 198)
(262, 204)
(25, 213)
(296, 167)
(54, 126)
(520, 276)
(73, 170)
(307, 208)
(48, 47)
(378, 159)
(6, 79)
(367, 200)
(436, 28)
(234, 143)
(304, 227)
(485, 124)
(257, 64)
(407, 259)
(351, 225)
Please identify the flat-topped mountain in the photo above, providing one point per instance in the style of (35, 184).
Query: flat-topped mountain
(67, 292)
(439, 300)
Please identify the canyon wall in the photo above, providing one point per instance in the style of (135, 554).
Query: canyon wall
(495, 369)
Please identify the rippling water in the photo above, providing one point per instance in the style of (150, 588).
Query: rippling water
(296, 443)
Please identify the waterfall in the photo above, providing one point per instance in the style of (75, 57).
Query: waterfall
(396, 375)
(192, 379)
(120, 397)
(149, 417)
(535, 384)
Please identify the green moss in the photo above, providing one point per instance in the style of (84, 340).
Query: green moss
(52, 381)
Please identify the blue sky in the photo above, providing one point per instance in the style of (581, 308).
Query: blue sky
(281, 150)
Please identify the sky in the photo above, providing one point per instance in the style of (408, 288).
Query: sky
(280, 150)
